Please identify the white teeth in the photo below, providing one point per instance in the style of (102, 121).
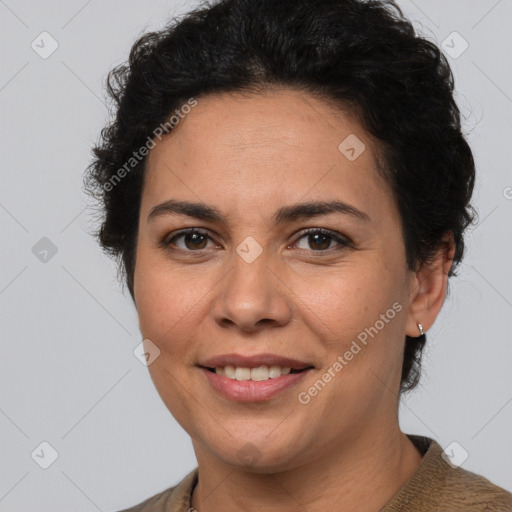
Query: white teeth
(274, 372)
(229, 371)
(242, 373)
(257, 374)
(260, 373)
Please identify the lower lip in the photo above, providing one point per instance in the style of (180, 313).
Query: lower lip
(250, 390)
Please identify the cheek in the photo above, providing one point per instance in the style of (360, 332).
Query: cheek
(358, 313)
(165, 297)
(343, 302)
(175, 392)
(164, 316)
(165, 308)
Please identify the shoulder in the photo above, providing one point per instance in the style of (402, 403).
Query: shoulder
(474, 492)
(173, 499)
(438, 485)
(157, 503)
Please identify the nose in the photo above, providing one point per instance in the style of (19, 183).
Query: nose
(252, 296)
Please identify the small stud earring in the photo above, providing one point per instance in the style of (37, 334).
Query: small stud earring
(420, 327)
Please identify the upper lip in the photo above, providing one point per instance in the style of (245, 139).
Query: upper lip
(253, 361)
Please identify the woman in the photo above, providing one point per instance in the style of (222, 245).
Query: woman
(287, 188)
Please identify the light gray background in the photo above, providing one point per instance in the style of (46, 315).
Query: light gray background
(68, 373)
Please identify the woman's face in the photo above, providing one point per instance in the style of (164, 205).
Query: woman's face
(252, 284)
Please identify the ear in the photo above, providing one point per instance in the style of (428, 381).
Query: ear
(428, 288)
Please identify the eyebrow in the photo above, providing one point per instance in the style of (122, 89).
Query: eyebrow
(285, 214)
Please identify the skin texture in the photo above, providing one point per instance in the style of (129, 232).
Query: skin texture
(305, 298)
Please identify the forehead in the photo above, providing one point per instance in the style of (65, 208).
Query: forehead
(279, 117)
(249, 150)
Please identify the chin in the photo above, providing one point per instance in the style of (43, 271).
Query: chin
(260, 456)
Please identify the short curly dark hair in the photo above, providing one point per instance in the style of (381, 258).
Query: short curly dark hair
(361, 55)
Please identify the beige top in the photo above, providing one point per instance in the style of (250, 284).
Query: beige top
(435, 486)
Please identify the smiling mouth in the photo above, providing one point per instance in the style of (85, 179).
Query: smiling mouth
(260, 373)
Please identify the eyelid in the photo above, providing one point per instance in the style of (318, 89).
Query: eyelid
(343, 241)
(166, 240)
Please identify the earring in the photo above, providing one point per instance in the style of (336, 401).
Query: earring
(420, 327)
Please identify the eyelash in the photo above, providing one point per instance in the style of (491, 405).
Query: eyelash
(166, 243)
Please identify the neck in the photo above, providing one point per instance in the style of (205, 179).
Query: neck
(363, 474)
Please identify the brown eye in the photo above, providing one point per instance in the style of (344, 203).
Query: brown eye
(319, 240)
(193, 240)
